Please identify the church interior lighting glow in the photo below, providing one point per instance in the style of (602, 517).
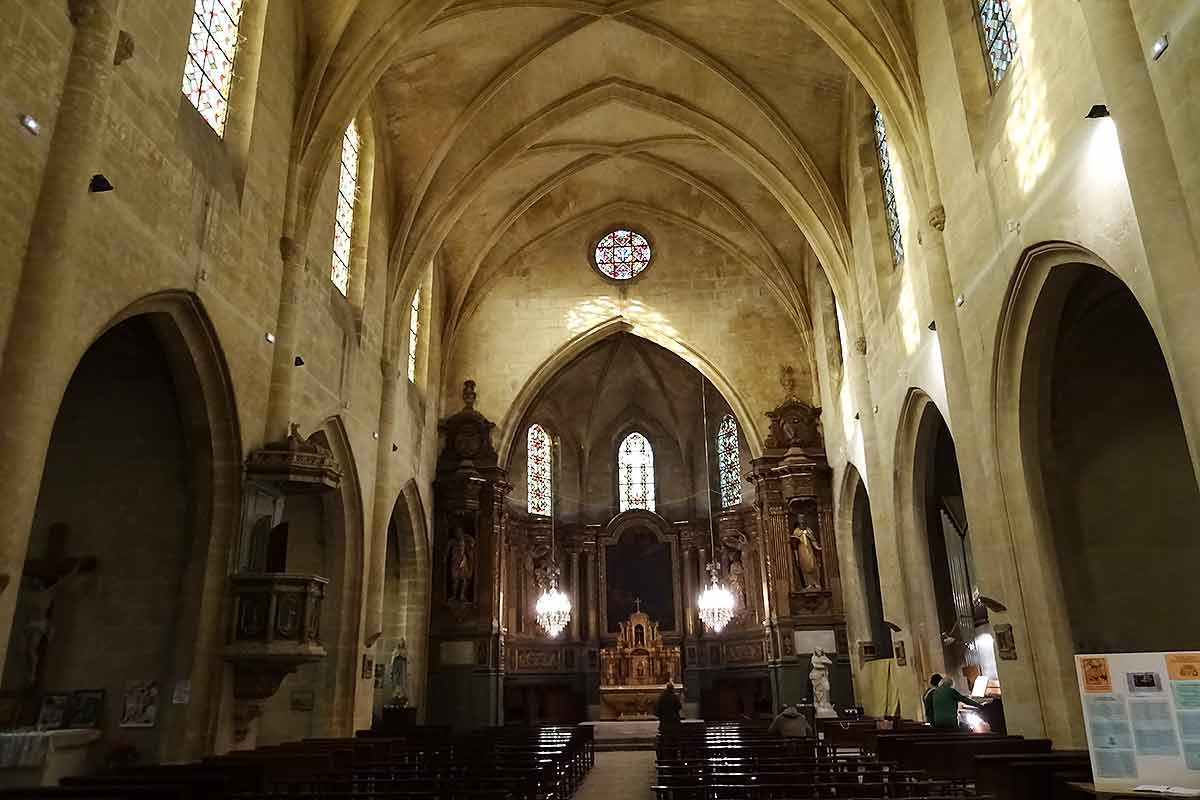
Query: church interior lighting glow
(715, 604)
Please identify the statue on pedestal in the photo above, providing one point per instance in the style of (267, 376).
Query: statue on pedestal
(806, 555)
(398, 671)
(819, 675)
(737, 581)
(461, 566)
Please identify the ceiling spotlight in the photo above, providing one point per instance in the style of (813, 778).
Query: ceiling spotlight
(1098, 111)
(375, 435)
(34, 127)
(958, 301)
(270, 337)
(299, 362)
(99, 184)
(933, 325)
(1160, 46)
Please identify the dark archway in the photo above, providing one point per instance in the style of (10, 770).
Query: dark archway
(863, 530)
(406, 593)
(1120, 487)
(129, 478)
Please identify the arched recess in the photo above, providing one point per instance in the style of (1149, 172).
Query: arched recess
(509, 428)
(935, 547)
(143, 470)
(854, 516)
(406, 595)
(1095, 469)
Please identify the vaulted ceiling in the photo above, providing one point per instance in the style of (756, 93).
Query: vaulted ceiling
(507, 118)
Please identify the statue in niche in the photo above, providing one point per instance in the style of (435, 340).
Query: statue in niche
(398, 671)
(737, 580)
(819, 675)
(460, 559)
(539, 567)
(806, 554)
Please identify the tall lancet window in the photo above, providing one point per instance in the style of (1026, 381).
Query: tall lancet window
(541, 467)
(729, 462)
(890, 209)
(414, 332)
(343, 224)
(208, 72)
(999, 36)
(635, 468)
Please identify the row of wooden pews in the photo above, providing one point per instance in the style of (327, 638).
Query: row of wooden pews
(1000, 766)
(741, 761)
(425, 763)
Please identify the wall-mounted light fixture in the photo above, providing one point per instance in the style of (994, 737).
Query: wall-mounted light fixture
(270, 337)
(299, 362)
(31, 124)
(1160, 46)
(933, 324)
(1098, 111)
(99, 184)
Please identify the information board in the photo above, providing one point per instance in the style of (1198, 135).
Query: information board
(1142, 713)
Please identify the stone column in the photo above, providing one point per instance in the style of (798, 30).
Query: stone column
(575, 596)
(376, 551)
(689, 590)
(593, 610)
(287, 334)
(35, 371)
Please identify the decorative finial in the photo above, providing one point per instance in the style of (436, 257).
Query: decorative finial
(469, 394)
(294, 431)
(787, 379)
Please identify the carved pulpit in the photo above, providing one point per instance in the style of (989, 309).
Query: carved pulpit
(635, 669)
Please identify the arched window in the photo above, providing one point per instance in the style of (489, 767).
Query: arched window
(999, 36)
(208, 72)
(729, 462)
(541, 475)
(635, 472)
(890, 209)
(343, 221)
(414, 332)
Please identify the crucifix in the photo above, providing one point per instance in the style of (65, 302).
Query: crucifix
(46, 575)
(638, 603)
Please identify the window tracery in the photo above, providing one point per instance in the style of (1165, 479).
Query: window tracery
(635, 468)
(343, 224)
(890, 208)
(729, 462)
(999, 36)
(208, 71)
(540, 472)
(622, 254)
(414, 331)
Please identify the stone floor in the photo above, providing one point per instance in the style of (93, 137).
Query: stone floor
(619, 775)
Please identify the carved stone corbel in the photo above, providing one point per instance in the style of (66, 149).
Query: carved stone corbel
(937, 218)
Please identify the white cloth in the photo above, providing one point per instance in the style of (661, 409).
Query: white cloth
(30, 748)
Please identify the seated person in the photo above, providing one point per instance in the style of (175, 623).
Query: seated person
(945, 700)
(791, 724)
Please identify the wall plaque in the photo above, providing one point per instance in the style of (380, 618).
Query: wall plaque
(458, 654)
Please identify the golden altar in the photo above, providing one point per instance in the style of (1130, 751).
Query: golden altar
(634, 671)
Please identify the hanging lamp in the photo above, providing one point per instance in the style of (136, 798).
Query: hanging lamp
(553, 607)
(715, 604)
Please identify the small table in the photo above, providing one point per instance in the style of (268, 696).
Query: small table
(42, 758)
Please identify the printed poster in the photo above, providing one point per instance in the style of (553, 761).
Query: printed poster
(1184, 671)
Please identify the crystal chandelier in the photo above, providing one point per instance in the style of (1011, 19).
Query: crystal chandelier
(553, 607)
(715, 604)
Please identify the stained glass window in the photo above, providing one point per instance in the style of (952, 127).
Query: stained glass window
(343, 221)
(208, 73)
(890, 209)
(414, 329)
(729, 462)
(635, 467)
(541, 482)
(622, 254)
(999, 35)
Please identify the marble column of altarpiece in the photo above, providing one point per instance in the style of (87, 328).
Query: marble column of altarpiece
(802, 597)
(466, 673)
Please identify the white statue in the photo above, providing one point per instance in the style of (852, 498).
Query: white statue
(819, 675)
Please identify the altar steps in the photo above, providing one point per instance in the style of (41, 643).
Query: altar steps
(627, 744)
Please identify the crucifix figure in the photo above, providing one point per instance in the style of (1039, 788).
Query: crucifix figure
(638, 603)
(46, 575)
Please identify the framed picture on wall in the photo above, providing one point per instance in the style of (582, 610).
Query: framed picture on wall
(139, 708)
(52, 714)
(85, 708)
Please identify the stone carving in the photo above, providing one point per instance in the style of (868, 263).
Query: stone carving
(46, 576)
(860, 345)
(787, 379)
(819, 675)
(297, 465)
(806, 555)
(398, 672)
(460, 566)
(794, 424)
(937, 217)
(539, 566)
(468, 435)
(737, 581)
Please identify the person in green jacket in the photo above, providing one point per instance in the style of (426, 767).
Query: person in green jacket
(935, 680)
(945, 700)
